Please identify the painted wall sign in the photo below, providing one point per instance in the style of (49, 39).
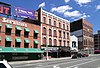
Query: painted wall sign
(14, 22)
(21, 12)
(5, 9)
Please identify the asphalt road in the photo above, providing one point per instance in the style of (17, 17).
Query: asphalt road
(88, 62)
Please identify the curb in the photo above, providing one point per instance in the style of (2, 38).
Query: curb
(30, 61)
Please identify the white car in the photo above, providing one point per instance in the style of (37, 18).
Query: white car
(5, 64)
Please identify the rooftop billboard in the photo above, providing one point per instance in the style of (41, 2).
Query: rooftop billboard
(24, 13)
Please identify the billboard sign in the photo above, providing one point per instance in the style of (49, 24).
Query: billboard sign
(5, 8)
(21, 12)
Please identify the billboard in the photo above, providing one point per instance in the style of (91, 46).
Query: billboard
(5, 8)
(24, 13)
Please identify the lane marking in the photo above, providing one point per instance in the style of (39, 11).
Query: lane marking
(82, 63)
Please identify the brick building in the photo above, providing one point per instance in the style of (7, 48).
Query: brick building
(84, 31)
(21, 36)
(55, 31)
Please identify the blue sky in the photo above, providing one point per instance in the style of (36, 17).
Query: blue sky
(68, 9)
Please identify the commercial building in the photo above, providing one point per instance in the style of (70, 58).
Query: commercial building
(55, 31)
(97, 42)
(19, 40)
(84, 31)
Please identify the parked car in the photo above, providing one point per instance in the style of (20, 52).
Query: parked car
(78, 55)
(5, 64)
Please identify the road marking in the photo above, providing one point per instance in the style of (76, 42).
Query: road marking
(82, 63)
(56, 66)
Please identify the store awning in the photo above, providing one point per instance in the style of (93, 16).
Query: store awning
(18, 28)
(19, 50)
(36, 31)
(26, 29)
(36, 42)
(8, 26)
(18, 40)
(0, 24)
(8, 38)
(27, 41)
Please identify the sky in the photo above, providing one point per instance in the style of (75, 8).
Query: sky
(71, 10)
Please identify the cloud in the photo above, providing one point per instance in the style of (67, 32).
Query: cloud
(81, 2)
(61, 9)
(42, 5)
(75, 14)
(66, 1)
(98, 7)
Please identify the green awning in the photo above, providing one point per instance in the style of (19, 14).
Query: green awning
(8, 38)
(36, 31)
(18, 28)
(26, 29)
(18, 40)
(8, 26)
(36, 42)
(19, 50)
(0, 38)
(27, 41)
(0, 24)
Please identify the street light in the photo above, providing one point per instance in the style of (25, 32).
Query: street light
(46, 49)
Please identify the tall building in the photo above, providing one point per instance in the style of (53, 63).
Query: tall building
(19, 40)
(97, 41)
(84, 31)
(55, 31)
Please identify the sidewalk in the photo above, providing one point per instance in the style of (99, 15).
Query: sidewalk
(41, 60)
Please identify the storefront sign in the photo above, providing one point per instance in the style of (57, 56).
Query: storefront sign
(5, 9)
(14, 22)
(21, 12)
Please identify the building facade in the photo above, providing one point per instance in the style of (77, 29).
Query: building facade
(20, 36)
(84, 31)
(74, 43)
(55, 30)
(97, 41)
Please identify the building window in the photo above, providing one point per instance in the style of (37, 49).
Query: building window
(18, 42)
(59, 25)
(44, 30)
(8, 29)
(64, 43)
(59, 34)
(26, 45)
(55, 33)
(67, 27)
(63, 26)
(26, 32)
(55, 42)
(60, 43)
(67, 35)
(44, 41)
(64, 35)
(54, 23)
(8, 41)
(36, 44)
(50, 32)
(67, 43)
(73, 44)
(18, 31)
(44, 19)
(50, 41)
(35, 34)
(50, 21)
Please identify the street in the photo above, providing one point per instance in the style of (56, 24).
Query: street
(87, 62)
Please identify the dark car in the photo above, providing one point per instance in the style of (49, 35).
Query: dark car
(78, 55)
(74, 56)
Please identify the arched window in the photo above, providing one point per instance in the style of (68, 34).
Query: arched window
(50, 32)
(55, 33)
(50, 41)
(44, 30)
(44, 40)
(50, 21)
(55, 42)
(54, 23)
(44, 19)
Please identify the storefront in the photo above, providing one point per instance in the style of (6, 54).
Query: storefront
(14, 54)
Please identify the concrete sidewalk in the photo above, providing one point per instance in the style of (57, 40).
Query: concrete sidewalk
(41, 60)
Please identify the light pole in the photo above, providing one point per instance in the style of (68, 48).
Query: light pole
(46, 49)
